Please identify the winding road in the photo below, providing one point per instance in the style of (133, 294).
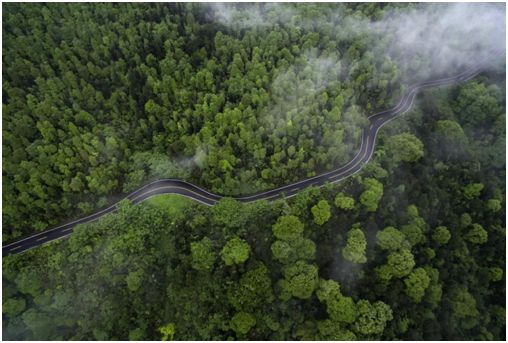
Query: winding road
(189, 190)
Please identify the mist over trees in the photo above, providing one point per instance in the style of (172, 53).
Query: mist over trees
(100, 98)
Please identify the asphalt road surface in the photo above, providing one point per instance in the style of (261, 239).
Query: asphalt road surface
(189, 190)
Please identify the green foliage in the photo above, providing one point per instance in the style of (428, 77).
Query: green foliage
(463, 303)
(494, 205)
(495, 274)
(136, 335)
(202, 255)
(226, 213)
(412, 212)
(102, 98)
(344, 202)
(339, 308)
(328, 289)
(478, 104)
(342, 309)
(372, 195)
(390, 239)
(38, 323)
(134, 280)
(287, 228)
(167, 331)
(321, 212)
(13, 307)
(473, 190)
(450, 139)
(404, 147)
(441, 235)
(289, 252)
(416, 284)
(253, 289)
(291, 245)
(434, 292)
(354, 251)
(236, 251)
(173, 203)
(372, 318)
(331, 331)
(476, 234)
(414, 231)
(465, 219)
(30, 282)
(399, 264)
(300, 280)
(242, 322)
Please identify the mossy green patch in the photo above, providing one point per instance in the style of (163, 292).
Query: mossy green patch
(175, 204)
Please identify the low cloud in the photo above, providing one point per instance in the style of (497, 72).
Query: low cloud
(447, 37)
(423, 39)
(242, 16)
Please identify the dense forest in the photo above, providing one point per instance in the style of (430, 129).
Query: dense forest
(98, 99)
(101, 98)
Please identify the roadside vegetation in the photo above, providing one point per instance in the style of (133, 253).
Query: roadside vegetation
(100, 98)
(418, 254)
(174, 204)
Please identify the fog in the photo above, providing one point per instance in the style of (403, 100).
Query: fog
(423, 39)
(448, 36)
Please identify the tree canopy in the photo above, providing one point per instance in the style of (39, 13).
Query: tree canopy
(236, 251)
(354, 251)
(100, 99)
(321, 212)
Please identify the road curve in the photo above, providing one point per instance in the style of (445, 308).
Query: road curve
(174, 186)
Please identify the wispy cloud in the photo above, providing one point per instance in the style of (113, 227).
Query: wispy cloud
(422, 39)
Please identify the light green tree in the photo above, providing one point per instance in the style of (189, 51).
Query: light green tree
(463, 303)
(202, 255)
(289, 252)
(300, 280)
(167, 331)
(416, 284)
(412, 212)
(339, 307)
(494, 205)
(390, 239)
(287, 228)
(399, 264)
(404, 147)
(495, 274)
(253, 290)
(333, 331)
(372, 195)
(354, 251)
(321, 212)
(344, 202)
(473, 190)
(476, 234)
(372, 318)
(441, 235)
(413, 231)
(242, 322)
(134, 280)
(236, 251)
